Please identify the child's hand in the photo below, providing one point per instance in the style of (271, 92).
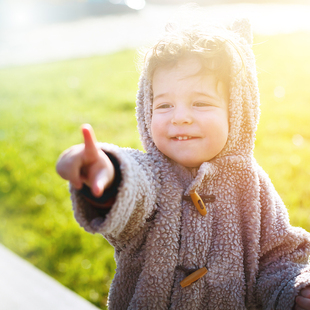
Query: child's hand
(303, 299)
(86, 163)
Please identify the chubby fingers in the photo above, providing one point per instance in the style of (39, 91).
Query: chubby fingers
(305, 292)
(100, 174)
(301, 303)
(303, 300)
(68, 165)
(85, 163)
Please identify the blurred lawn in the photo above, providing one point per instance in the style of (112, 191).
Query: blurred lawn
(42, 108)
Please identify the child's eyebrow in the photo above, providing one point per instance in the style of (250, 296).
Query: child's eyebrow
(211, 96)
(160, 96)
(193, 92)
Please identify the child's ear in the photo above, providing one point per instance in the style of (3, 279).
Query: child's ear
(244, 29)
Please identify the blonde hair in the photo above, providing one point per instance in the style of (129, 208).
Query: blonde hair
(210, 47)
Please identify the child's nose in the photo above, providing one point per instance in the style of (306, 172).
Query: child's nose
(181, 116)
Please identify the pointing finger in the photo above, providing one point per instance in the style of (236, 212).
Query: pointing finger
(89, 141)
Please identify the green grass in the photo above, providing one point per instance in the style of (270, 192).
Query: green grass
(283, 136)
(42, 108)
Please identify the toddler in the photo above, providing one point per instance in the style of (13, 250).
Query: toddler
(195, 221)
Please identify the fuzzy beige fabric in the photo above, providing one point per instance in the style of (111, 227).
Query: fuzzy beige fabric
(255, 258)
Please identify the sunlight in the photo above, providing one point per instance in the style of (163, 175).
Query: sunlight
(136, 4)
(21, 16)
(279, 91)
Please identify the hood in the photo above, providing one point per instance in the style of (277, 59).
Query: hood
(244, 96)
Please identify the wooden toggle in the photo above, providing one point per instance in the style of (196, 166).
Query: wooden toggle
(198, 203)
(194, 277)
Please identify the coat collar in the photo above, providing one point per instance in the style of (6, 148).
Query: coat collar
(193, 178)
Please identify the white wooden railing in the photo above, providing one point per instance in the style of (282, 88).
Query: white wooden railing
(24, 287)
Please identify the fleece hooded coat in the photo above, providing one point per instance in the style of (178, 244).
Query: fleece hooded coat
(255, 258)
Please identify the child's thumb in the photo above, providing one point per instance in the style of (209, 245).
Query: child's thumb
(99, 183)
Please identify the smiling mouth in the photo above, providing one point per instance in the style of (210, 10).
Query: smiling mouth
(181, 138)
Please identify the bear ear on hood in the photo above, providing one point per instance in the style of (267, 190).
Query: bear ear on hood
(244, 29)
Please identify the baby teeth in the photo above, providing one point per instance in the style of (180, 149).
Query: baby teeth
(183, 138)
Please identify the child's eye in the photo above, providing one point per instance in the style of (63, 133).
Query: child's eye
(164, 106)
(201, 104)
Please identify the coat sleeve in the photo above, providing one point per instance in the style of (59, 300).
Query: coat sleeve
(284, 257)
(135, 200)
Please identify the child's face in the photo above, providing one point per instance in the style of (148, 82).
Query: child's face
(190, 113)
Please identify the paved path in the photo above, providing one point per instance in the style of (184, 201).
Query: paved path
(96, 36)
(24, 287)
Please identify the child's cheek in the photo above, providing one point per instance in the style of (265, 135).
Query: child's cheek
(157, 132)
